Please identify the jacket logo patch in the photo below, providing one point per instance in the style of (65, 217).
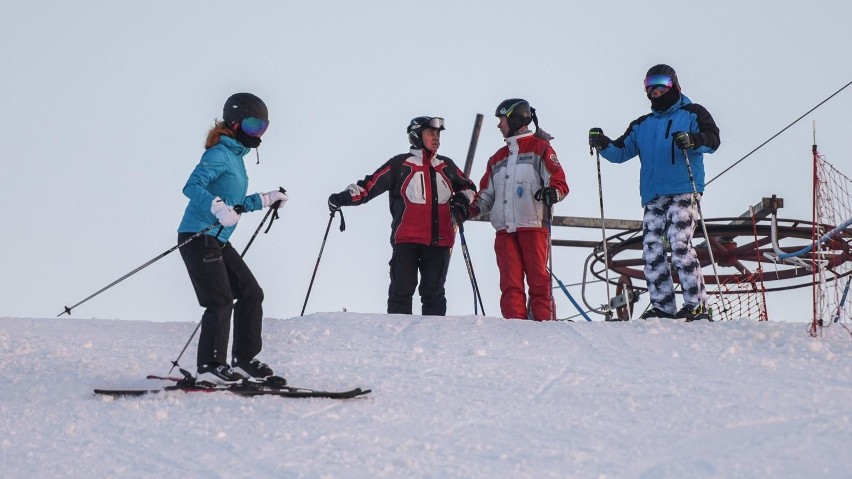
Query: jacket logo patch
(553, 158)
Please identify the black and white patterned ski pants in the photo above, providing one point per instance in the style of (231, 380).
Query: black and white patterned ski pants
(671, 217)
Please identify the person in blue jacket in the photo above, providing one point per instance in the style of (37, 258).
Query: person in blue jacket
(217, 196)
(669, 196)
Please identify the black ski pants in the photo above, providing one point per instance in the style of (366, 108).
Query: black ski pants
(220, 276)
(432, 262)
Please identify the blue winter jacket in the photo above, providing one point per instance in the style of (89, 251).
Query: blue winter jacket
(663, 170)
(221, 172)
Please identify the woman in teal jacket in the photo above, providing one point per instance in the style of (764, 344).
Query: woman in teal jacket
(660, 138)
(217, 196)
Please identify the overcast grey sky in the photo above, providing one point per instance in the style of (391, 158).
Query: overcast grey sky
(107, 105)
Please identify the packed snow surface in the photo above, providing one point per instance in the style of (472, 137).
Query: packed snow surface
(454, 397)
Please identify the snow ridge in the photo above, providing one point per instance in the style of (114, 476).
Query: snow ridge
(463, 397)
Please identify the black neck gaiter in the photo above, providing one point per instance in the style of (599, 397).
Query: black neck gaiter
(666, 100)
(248, 141)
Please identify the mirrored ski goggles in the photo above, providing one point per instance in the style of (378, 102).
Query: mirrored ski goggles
(436, 123)
(658, 81)
(255, 127)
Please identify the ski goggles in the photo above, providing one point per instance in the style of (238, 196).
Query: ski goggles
(435, 122)
(658, 81)
(255, 127)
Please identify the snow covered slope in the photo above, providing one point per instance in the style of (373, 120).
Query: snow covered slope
(455, 397)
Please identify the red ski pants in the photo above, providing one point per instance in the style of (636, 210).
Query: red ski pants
(520, 254)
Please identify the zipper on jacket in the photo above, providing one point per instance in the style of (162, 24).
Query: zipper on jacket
(668, 130)
(433, 180)
(423, 187)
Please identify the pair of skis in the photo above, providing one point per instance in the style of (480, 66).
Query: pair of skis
(271, 386)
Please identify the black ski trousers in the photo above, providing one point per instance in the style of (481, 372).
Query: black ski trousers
(220, 276)
(432, 262)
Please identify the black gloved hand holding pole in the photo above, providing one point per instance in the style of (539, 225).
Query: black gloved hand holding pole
(597, 139)
(686, 141)
(460, 207)
(336, 200)
(548, 195)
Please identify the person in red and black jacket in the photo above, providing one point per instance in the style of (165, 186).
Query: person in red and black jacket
(522, 181)
(421, 187)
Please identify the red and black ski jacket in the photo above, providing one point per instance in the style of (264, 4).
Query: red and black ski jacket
(418, 194)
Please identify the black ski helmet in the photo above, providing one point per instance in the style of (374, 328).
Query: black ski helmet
(669, 98)
(517, 112)
(243, 105)
(663, 69)
(417, 125)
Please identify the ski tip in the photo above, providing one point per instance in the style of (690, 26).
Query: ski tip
(124, 392)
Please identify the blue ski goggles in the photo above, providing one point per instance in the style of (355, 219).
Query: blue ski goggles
(255, 127)
(658, 81)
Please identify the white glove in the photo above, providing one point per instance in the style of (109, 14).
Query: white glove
(224, 213)
(272, 197)
(355, 190)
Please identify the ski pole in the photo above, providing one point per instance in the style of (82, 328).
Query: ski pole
(194, 332)
(550, 255)
(140, 268)
(273, 209)
(470, 273)
(322, 247)
(457, 226)
(704, 229)
(548, 213)
(603, 231)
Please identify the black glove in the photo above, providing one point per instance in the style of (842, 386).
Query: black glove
(597, 139)
(336, 200)
(686, 141)
(548, 195)
(459, 207)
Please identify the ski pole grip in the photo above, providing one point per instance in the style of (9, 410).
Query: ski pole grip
(277, 204)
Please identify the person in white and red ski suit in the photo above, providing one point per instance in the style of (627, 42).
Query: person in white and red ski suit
(522, 181)
(421, 186)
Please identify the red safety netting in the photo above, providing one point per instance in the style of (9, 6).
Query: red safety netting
(832, 207)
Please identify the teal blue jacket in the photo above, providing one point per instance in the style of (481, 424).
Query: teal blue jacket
(221, 172)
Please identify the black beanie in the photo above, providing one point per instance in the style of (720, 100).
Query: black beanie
(243, 105)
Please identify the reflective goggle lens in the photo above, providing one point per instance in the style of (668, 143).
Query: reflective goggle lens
(655, 81)
(255, 127)
(436, 123)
